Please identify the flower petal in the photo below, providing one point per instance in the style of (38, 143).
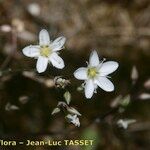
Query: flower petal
(44, 38)
(42, 63)
(58, 43)
(94, 59)
(56, 61)
(81, 73)
(105, 84)
(89, 89)
(31, 51)
(108, 67)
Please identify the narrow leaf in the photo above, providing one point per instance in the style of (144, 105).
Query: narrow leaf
(56, 110)
(67, 97)
(73, 111)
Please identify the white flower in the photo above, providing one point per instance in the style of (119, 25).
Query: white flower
(95, 74)
(74, 119)
(125, 123)
(46, 51)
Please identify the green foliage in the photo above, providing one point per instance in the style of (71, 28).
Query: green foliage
(67, 97)
(90, 133)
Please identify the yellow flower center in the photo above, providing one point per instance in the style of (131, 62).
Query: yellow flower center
(45, 51)
(92, 72)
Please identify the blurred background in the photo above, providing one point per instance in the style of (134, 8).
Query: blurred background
(118, 30)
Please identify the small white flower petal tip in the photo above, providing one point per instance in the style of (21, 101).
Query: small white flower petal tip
(124, 123)
(46, 51)
(96, 74)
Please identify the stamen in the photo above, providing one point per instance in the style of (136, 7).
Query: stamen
(104, 59)
(95, 88)
(87, 62)
(92, 72)
(83, 84)
(108, 77)
(45, 51)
